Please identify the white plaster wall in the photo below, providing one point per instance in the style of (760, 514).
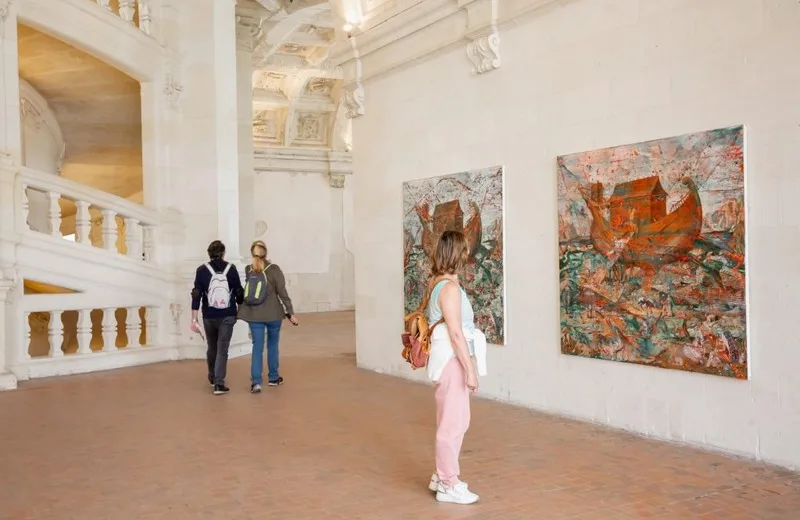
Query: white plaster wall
(584, 75)
(305, 236)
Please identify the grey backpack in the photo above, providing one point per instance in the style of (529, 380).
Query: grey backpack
(256, 287)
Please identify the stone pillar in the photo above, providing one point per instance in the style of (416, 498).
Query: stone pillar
(246, 32)
(209, 150)
(209, 127)
(10, 157)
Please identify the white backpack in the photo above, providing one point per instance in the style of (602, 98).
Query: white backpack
(219, 292)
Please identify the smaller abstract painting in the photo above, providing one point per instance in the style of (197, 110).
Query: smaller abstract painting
(471, 202)
(652, 253)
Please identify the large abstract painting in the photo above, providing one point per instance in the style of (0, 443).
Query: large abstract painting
(471, 202)
(652, 253)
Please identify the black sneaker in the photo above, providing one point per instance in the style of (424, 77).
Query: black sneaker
(276, 382)
(221, 389)
(211, 380)
(255, 389)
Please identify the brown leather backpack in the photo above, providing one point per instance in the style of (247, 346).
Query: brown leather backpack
(417, 334)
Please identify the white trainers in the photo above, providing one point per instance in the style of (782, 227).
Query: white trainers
(435, 484)
(457, 494)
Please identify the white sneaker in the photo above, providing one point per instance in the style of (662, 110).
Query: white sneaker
(436, 484)
(457, 494)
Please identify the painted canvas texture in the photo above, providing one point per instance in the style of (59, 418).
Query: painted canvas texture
(652, 253)
(471, 202)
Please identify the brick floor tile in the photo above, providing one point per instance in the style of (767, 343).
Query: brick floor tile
(152, 443)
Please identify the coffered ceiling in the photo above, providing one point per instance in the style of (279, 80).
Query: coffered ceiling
(296, 89)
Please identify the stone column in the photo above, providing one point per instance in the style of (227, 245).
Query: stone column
(10, 157)
(209, 150)
(209, 124)
(246, 31)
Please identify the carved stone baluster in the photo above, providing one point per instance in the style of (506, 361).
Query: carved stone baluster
(28, 333)
(109, 229)
(145, 17)
(109, 330)
(149, 243)
(54, 213)
(83, 223)
(25, 208)
(55, 334)
(105, 4)
(133, 327)
(126, 10)
(85, 331)
(132, 238)
(151, 325)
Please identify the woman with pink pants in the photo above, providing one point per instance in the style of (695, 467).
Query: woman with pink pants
(451, 366)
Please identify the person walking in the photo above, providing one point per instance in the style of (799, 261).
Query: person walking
(217, 289)
(266, 302)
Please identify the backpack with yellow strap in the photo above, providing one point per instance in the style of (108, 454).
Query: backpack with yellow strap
(417, 334)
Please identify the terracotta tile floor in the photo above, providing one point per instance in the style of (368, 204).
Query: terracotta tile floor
(335, 442)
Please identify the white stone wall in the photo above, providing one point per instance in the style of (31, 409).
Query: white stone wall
(577, 76)
(305, 225)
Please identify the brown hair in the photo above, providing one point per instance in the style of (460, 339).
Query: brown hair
(451, 254)
(216, 250)
(258, 250)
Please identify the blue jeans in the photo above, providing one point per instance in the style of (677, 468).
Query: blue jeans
(273, 330)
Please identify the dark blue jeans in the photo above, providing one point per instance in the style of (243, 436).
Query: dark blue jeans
(273, 331)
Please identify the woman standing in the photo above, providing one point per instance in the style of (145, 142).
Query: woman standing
(265, 304)
(451, 366)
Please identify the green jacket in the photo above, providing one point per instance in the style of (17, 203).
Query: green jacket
(276, 306)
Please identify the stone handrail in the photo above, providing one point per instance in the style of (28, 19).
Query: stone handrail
(40, 209)
(59, 333)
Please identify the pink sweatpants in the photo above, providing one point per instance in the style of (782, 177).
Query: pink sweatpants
(452, 420)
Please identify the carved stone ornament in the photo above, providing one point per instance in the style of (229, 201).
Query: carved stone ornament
(5, 9)
(320, 86)
(267, 125)
(484, 52)
(353, 100)
(173, 89)
(270, 81)
(336, 180)
(308, 126)
(260, 228)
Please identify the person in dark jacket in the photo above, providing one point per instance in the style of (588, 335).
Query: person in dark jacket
(218, 289)
(265, 314)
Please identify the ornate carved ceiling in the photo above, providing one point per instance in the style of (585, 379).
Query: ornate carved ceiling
(296, 88)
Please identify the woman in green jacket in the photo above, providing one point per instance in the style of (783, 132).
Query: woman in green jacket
(265, 304)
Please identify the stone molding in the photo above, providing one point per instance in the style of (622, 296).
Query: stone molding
(335, 165)
(384, 41)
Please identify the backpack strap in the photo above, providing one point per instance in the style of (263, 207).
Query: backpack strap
(264, 272)
(210, 269)
(227, 268)
(431, 286)
(427, 300)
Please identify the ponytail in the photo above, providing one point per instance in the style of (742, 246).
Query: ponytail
(258, 250)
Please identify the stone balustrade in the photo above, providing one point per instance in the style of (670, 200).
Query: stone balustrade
(134, 12)
(60, 333)
(66, 209)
